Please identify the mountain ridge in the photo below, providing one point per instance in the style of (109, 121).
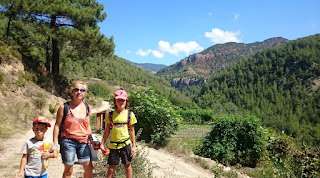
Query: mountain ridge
(198, 67)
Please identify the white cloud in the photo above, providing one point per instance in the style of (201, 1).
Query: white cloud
(155, 53)
(218, 36)
(236, 16)
(175, 49)
(143, 53)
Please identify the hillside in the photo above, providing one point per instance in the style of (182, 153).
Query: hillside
(280, 85)
(197, 68)
(153, 68)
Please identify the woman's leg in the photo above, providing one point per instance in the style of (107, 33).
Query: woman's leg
(111, 170)
(68, 169)
(128, 169)
(88, 169)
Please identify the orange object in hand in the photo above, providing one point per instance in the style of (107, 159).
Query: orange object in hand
(105, 151)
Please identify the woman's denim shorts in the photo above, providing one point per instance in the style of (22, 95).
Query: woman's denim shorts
(70, 148)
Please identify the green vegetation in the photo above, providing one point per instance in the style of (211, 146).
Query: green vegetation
(157, 117)
(99, 90)
(196, 116)
(2, 77)
(233, 139)
(40, 101)
(276, 85)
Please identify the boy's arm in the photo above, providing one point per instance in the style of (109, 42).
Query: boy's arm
(23, 163)
(133, 140)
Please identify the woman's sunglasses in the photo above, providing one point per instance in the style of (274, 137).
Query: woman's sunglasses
(77, 89)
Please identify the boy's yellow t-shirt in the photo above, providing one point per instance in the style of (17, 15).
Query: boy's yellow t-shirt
(120, 133)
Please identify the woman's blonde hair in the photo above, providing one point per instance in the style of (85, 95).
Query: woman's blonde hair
(76, 83)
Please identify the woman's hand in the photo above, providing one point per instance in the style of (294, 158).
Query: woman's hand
(18, 174)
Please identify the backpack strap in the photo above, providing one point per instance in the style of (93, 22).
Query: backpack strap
(129, 119)
(65, 112)
(87, 107)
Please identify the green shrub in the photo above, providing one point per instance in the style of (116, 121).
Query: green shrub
(196, 116)
(99, 90)
(155, 115)
(40, 101)
(284, 158)
(2, 77)
(52, 108)
(234, 139)
(21, 81)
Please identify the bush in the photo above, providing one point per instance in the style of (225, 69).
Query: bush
(284, 158)
(52, 108)
(196, 116)
(2, 77)
(40, 101)
(234, 139)
(99, 90)
(155, 115)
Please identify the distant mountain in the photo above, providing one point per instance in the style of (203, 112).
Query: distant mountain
(197, 68)
(153, 68)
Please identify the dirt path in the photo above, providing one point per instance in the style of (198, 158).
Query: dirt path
(168, 165)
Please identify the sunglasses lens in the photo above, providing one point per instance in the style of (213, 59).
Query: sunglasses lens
(77, 89)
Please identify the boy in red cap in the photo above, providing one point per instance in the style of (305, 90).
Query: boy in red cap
(120, 128)
(36, 151)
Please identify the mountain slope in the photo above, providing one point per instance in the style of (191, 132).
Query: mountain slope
(198, 67)
(153, 68)
(280, 85)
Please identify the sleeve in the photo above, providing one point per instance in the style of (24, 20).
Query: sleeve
(24, 149)
(133, 119)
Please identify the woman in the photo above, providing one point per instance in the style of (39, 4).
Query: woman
(120, 128)
(75, 131)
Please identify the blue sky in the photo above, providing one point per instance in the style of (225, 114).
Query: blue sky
(166, 31)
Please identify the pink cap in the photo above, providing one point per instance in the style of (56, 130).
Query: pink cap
(121, 94)
(42, 119)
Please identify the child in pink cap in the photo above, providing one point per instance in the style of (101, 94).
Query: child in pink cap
(120, 128)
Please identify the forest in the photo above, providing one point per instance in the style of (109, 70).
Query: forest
(278, 85)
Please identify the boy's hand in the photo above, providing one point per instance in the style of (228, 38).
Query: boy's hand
(45, 155)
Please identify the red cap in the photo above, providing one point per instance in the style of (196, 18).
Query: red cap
(42, 119)
(121, 94)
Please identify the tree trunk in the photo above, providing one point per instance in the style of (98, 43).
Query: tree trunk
(55, 49)
(48, 57)
(10, 19)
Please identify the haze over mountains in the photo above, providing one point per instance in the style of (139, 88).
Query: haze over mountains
(197, 68)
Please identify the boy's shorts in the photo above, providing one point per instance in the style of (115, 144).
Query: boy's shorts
(70, 147)
(123, 153)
